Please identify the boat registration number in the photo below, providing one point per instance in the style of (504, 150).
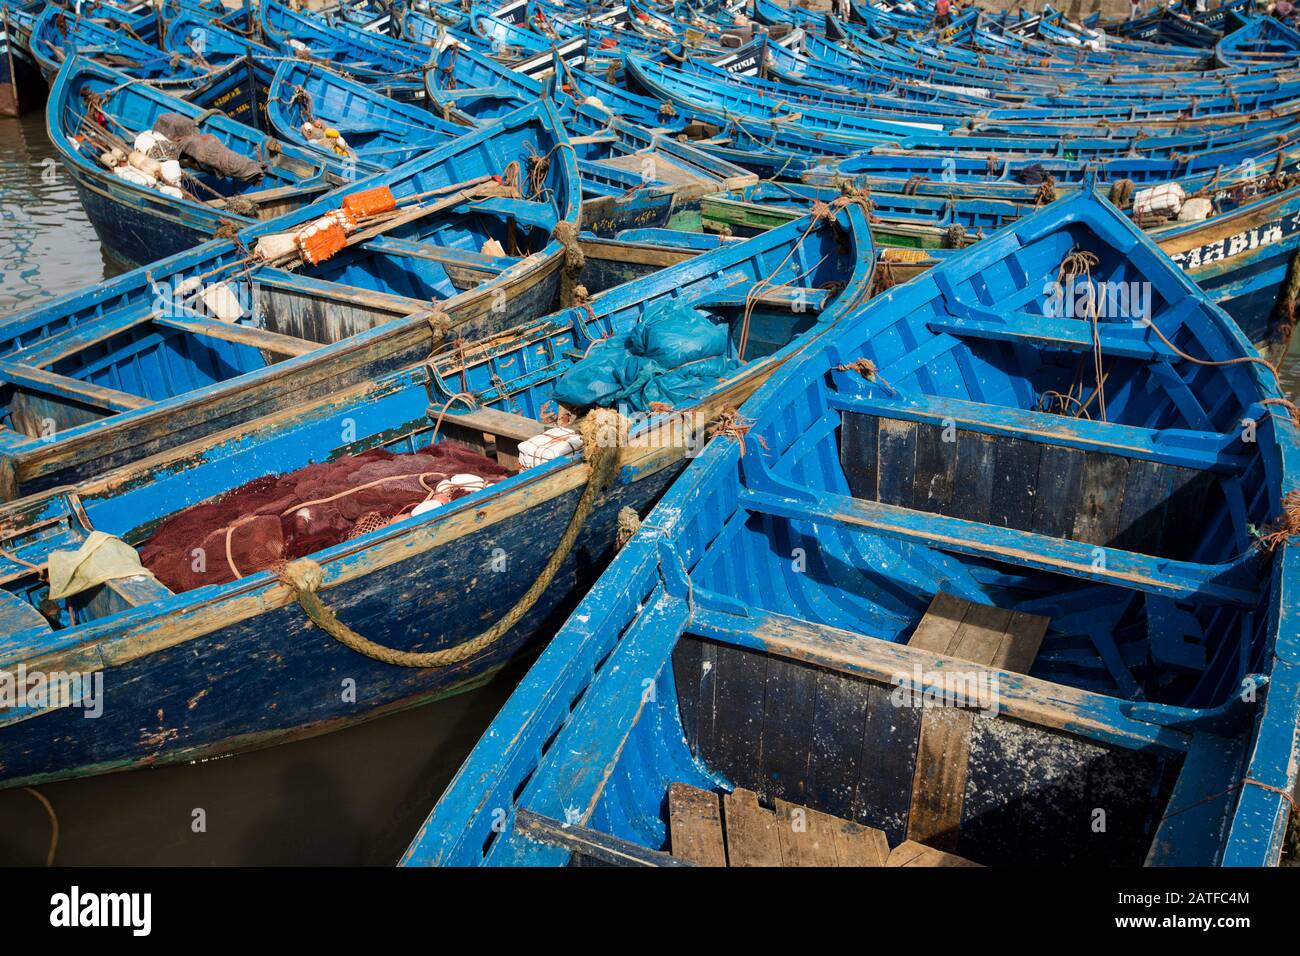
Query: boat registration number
(1247, 240)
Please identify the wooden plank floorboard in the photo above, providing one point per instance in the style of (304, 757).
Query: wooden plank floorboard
(695, 825)
(752, 835)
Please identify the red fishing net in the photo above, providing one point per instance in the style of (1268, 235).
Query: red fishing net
(279, 518)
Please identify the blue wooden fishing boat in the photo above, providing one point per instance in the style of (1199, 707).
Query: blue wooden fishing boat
(225, 175)
(1093, 74)
(212, 42)
(469, 239)
(726, 99)
(945, 115)
(624, 167)
(940, 647)
(378, 132)
(475, 84)
(691, 94)
(609, 40)
(897, 219)
(775, 152)
(457, 619)
(1260, 39)
(392, 66)
(121, 36)
(242, 67)
(58, 34)
(1243, 255)
(1008, 178)
(432, 29)
(509, 41)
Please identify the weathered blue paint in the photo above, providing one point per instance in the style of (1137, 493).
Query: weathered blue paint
(362, 312)
(808, 549)
(194, 674)
(381, 132)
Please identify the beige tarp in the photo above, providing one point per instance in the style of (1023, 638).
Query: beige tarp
(100, 558)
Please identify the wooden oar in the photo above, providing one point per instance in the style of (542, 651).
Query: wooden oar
(468, 190)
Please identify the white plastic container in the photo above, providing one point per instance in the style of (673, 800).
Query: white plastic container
(549, 445)
(219, 299)
(1163, 200)
(276, 245)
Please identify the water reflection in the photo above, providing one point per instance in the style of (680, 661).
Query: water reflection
(47, 245)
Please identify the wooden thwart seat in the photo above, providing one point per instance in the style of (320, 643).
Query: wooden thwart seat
(911, 853)
(72, 389)
(1183, 448)
(17, 616)
(1127, 342)
(990, 636)
(446, 255)
(1032, 700)
(507, 430)
(695, 822)
(1226, 584)
(249, 335)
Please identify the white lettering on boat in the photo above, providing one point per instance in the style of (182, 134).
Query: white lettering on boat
(1228, 247)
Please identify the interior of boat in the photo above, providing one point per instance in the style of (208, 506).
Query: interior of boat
(933, 598)
(226, 314)
(286, 181)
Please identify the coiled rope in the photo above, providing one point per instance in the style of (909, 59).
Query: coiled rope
(1080, 263)
(304, 576)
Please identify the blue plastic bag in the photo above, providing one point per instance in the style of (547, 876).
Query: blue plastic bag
(673, 355)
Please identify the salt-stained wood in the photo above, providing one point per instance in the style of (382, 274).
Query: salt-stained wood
(939, 783)
(695, 825)
(753, 835)
(807, 837)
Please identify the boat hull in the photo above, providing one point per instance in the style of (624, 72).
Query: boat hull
(22, 88)
(237, 663)
(235, 675)
(134, 230)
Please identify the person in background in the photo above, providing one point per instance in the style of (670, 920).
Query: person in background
(942, 14)
(1134, 7)
(1283, 9)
